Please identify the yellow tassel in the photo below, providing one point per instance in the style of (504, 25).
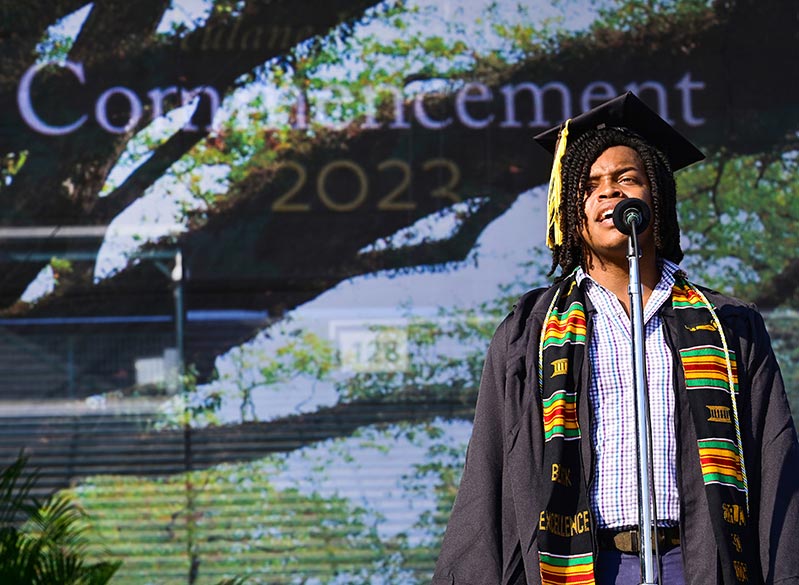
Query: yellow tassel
(554, 235)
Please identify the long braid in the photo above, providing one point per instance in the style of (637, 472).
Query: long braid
(576, 168)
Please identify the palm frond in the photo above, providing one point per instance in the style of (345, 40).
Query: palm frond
(100, 573)
(16, 503)
(44, 544)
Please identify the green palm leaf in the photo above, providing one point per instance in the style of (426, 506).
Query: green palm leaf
(43, 544)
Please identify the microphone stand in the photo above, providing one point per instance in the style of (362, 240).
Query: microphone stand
(646, 501)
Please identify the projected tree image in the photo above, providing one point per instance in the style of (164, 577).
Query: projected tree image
(401, 157)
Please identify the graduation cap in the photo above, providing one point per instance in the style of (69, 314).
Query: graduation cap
(625, 111)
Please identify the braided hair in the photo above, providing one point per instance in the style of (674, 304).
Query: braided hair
(575, 170)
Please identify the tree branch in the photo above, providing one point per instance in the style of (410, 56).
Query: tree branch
(781, 289)
(117, 28)
(66, 449)
(452, 249)
(145, 175)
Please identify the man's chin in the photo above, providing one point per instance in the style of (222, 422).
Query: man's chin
(611, 251)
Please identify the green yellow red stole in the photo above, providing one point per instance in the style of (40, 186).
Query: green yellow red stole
(565, 541)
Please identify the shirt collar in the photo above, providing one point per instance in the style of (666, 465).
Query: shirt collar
(668, 271)
(605, 301)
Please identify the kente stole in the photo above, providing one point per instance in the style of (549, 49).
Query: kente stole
(565, 543)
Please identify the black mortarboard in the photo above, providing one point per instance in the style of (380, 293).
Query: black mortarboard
(628, 111)
(625, 111)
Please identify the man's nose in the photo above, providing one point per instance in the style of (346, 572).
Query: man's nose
(609, 189)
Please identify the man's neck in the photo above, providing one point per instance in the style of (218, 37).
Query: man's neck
(615, 276)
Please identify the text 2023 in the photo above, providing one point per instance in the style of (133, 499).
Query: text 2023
(444, 171)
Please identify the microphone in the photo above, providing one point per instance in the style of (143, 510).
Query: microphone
(631, 214)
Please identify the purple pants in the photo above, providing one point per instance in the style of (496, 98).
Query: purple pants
(616, 568)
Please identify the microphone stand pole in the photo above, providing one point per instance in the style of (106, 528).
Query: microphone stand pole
(646, 501)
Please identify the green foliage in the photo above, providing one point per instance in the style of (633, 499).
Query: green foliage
(783, 326)
(645, 15)
(61, 266)
(445, 354)
(251, 368)
(240, 522)
(47, 544)
(14, 161)
(55, 45)
(740, 212)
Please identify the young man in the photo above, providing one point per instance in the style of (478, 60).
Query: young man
(549, 490)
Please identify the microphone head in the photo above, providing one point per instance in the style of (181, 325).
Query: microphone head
(631, 214)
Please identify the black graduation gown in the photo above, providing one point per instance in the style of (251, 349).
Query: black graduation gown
(491, 534)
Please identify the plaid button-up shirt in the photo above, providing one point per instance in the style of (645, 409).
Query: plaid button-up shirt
(614, 491)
